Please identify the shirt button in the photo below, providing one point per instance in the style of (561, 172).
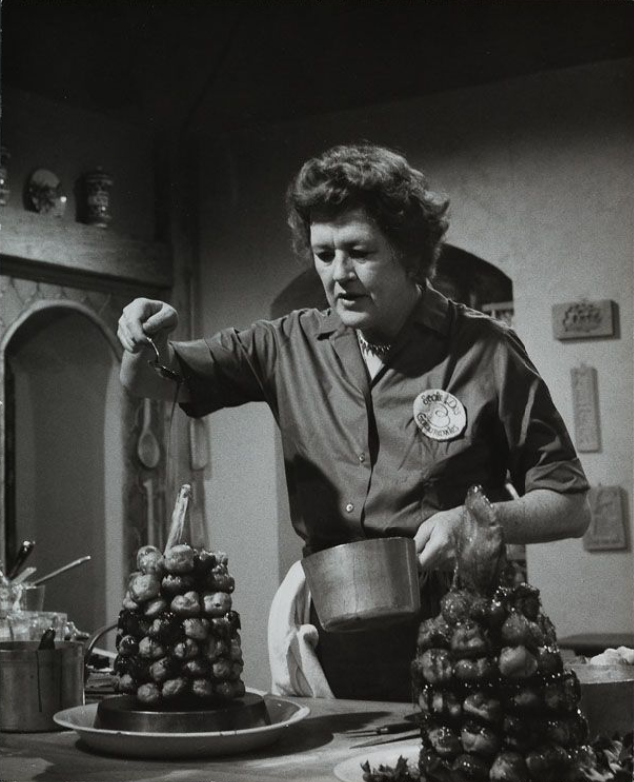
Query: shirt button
(361, 457)
(349, 507)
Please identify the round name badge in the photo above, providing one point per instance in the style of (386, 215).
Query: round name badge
(439, 414)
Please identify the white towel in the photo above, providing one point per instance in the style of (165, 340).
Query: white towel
(295, 669)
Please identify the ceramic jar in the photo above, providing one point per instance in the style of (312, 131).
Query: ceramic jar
(97, 186)
(4, 175)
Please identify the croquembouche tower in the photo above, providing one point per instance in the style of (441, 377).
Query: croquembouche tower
(178, 641)
(497, 704)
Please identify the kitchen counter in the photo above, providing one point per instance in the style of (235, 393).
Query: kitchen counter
(308, 750)
(590, 644)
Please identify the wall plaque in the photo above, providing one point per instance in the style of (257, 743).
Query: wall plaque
(607, 527)
(585, 404)
(584, 319)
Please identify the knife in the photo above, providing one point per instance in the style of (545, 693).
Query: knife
(413, 734)
(23, 575)
(23, 554)
(390, 727)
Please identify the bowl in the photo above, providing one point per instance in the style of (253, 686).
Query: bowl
(365, 584)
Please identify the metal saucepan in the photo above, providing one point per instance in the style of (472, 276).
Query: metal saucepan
(35, 683)
(367, 583)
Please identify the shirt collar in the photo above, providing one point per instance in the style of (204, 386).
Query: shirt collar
(432, 311)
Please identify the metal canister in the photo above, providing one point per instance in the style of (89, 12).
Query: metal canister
(37, 683)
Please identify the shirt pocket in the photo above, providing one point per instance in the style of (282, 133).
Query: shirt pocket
(450, 468)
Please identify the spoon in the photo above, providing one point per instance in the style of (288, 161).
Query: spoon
(148, 449)
(163, 371)
(62, 569)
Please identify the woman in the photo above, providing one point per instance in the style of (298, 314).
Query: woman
(391, 403)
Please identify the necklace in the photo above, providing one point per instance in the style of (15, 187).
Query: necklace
(378, 349)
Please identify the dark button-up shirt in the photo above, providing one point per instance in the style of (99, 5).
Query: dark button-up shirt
(357, 463)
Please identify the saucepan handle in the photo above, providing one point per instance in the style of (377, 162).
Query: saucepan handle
(92, 640)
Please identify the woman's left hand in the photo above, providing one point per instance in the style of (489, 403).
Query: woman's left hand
(436, 540)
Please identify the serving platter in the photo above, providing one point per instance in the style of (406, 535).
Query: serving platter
(282, 712)
(350, 770)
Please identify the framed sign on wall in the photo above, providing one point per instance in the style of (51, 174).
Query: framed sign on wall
(585, 405)
(607, 527)
(584, 319)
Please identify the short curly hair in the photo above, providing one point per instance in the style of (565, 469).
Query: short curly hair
(393, 194)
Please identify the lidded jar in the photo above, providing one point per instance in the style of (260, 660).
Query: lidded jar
(97, 186)
(4, 176)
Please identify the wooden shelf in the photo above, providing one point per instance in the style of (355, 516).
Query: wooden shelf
(54, 243)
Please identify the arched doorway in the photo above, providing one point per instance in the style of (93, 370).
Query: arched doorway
(460, 276)
(464, 277)
(64, 456)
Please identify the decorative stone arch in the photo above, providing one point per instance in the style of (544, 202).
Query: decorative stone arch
(123, 508)
(60, 303)
(32, 307)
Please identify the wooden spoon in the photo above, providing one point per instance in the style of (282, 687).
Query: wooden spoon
(152, 530)
(148, 449)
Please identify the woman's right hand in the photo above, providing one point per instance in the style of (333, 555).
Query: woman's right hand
(144, 318)
(140, 320)
(436, 539)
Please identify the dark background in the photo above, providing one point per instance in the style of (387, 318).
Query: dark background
(220, 64)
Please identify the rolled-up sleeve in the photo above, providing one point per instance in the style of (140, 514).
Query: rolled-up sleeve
(541, 452)
(223, 371)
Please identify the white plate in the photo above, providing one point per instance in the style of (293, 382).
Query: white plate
(81, 719)
(350, 770)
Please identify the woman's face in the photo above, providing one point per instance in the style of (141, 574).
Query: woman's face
(363, 279)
